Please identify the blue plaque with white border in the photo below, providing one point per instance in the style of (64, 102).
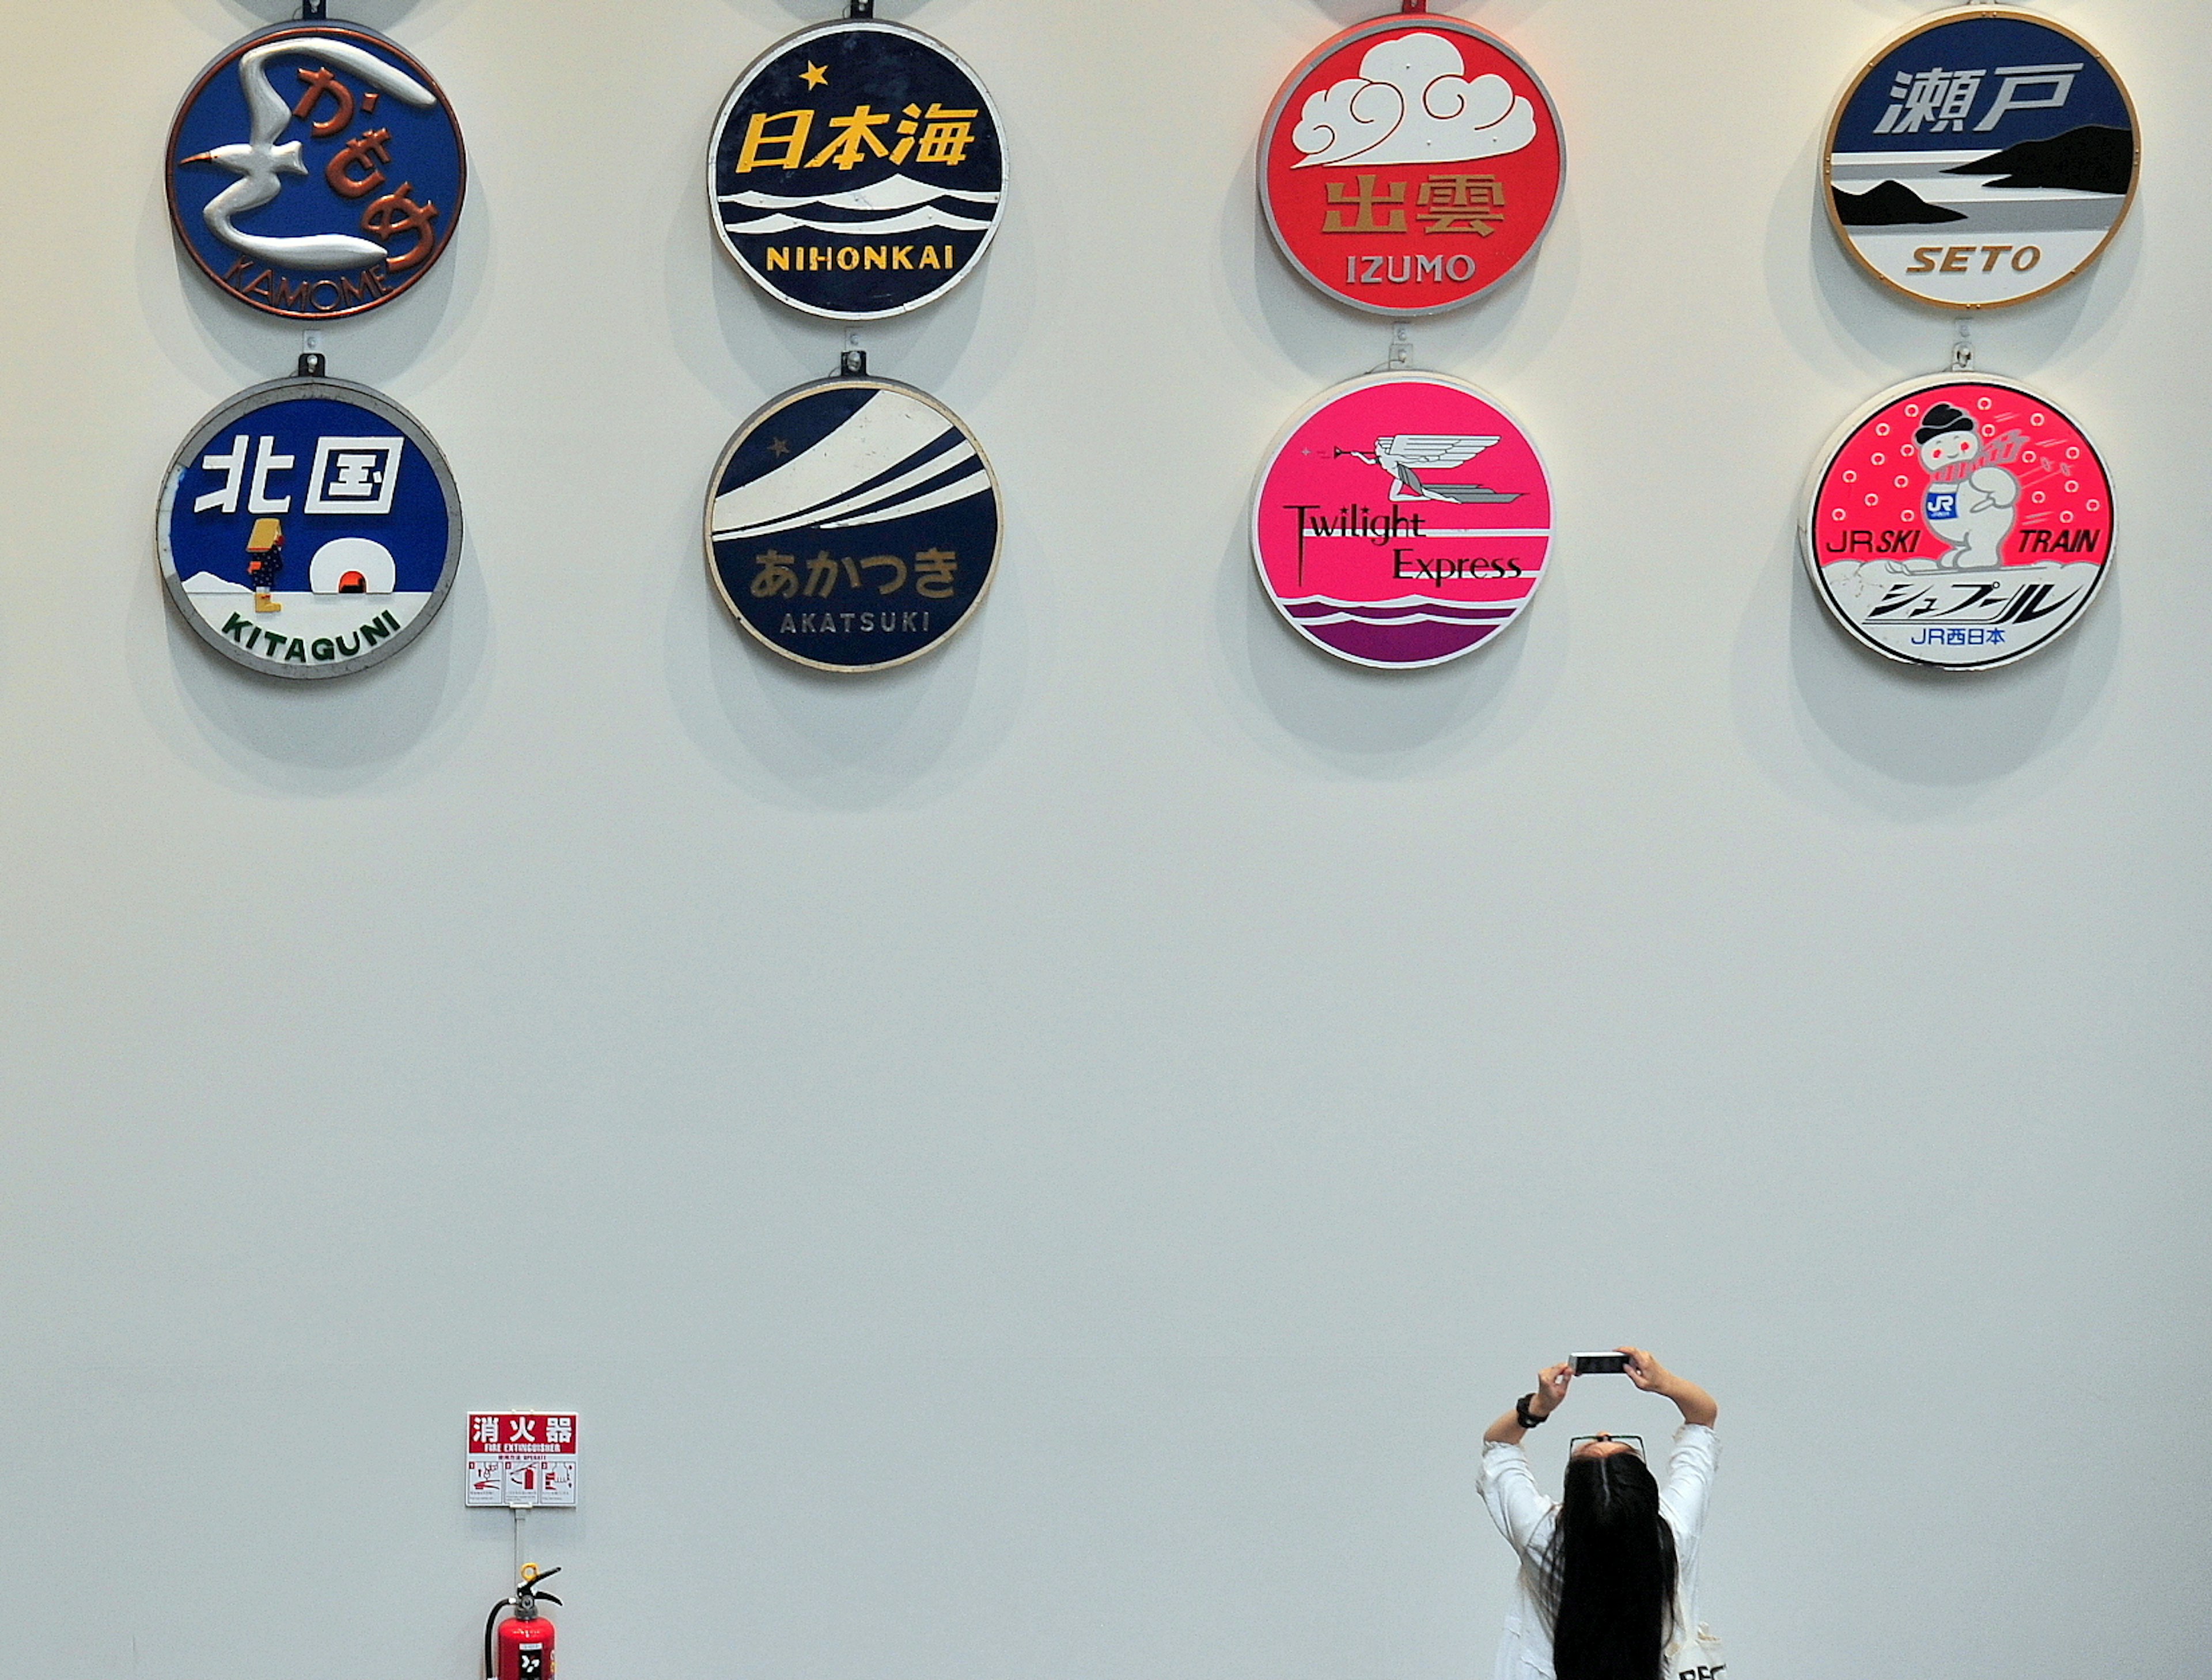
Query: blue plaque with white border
(309, 528)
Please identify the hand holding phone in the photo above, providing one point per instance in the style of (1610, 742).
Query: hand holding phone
(1601, 1364)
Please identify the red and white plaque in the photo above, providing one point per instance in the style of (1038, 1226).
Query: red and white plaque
(1959, 523)
(1410, 164)
(522, 1458)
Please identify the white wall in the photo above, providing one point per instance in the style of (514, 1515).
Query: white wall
(1041, 1165)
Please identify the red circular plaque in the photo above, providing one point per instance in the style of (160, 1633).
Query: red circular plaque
(1410, 164)
(1959, 523)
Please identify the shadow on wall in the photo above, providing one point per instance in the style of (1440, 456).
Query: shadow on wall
(1296, 700)
(314, 737)
(1308, 705)
(1845, 728)
(435, 322)
(758, 345)
(1504, 332)
(814, 740)
(1877, 330)
(317, 737)
(1867, 735)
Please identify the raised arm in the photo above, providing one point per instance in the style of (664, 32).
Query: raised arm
(1551, 1389)
(1648, 1374)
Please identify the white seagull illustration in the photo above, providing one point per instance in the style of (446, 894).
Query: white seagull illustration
(261, 163)
(1405, 458)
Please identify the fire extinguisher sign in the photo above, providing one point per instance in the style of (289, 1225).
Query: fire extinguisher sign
(522, 1458)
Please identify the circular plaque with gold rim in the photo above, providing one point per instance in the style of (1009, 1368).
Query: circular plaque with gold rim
(1985, 158)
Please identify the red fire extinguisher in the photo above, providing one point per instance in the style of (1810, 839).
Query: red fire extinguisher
(520, 1647)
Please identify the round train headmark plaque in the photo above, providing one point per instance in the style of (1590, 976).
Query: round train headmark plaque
(309, 528)
(1987, 158)
(1410, 164)
(854, 525)
(857, 171)
(1402, 520)
(316, 170)
(1958, 522)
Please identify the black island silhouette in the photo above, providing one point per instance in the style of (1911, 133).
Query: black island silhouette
(2095, 159)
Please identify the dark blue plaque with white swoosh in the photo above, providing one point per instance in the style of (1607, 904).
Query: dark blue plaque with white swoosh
(854, 525)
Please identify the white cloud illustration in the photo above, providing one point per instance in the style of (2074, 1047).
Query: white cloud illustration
(1413, 104)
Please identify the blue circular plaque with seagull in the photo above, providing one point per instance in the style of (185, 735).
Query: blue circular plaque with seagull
(857, 171)
(853, 525)
(315, 170)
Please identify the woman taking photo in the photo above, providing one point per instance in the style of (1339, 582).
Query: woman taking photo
(1608, 1573)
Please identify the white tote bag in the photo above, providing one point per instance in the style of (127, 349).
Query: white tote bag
(1697, 1656)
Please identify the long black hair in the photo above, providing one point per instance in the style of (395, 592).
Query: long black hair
(1610, 1573)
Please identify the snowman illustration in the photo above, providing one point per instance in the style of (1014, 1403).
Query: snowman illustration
(1973, 500)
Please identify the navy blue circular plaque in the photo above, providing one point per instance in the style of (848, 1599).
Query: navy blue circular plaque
(857, 171)
(854, 525)
(316, 170)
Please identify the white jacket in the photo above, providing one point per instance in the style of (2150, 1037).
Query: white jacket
(1526, 1516)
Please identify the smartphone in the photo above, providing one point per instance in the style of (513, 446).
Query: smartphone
(1601, 1364)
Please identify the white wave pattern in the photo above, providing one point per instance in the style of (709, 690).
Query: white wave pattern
(853, 510)
(1397, 602)
(1463, 620)
(1383, 613)
(898, 204)
(816, 490)
(894, 193)
(913, 221)
(974, 482)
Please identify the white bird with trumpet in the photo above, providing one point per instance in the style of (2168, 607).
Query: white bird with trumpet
(1406, 457)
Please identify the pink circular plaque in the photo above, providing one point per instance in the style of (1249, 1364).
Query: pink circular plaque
(1959, 522)
(1402, 520)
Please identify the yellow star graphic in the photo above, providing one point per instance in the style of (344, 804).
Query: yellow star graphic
(779, 449)
(816, 76)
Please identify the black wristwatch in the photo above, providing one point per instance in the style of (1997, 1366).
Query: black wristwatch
(1529, 1419)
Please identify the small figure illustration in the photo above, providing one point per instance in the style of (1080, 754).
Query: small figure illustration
(1405, 458)
(1972, 500)
(266, 546)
